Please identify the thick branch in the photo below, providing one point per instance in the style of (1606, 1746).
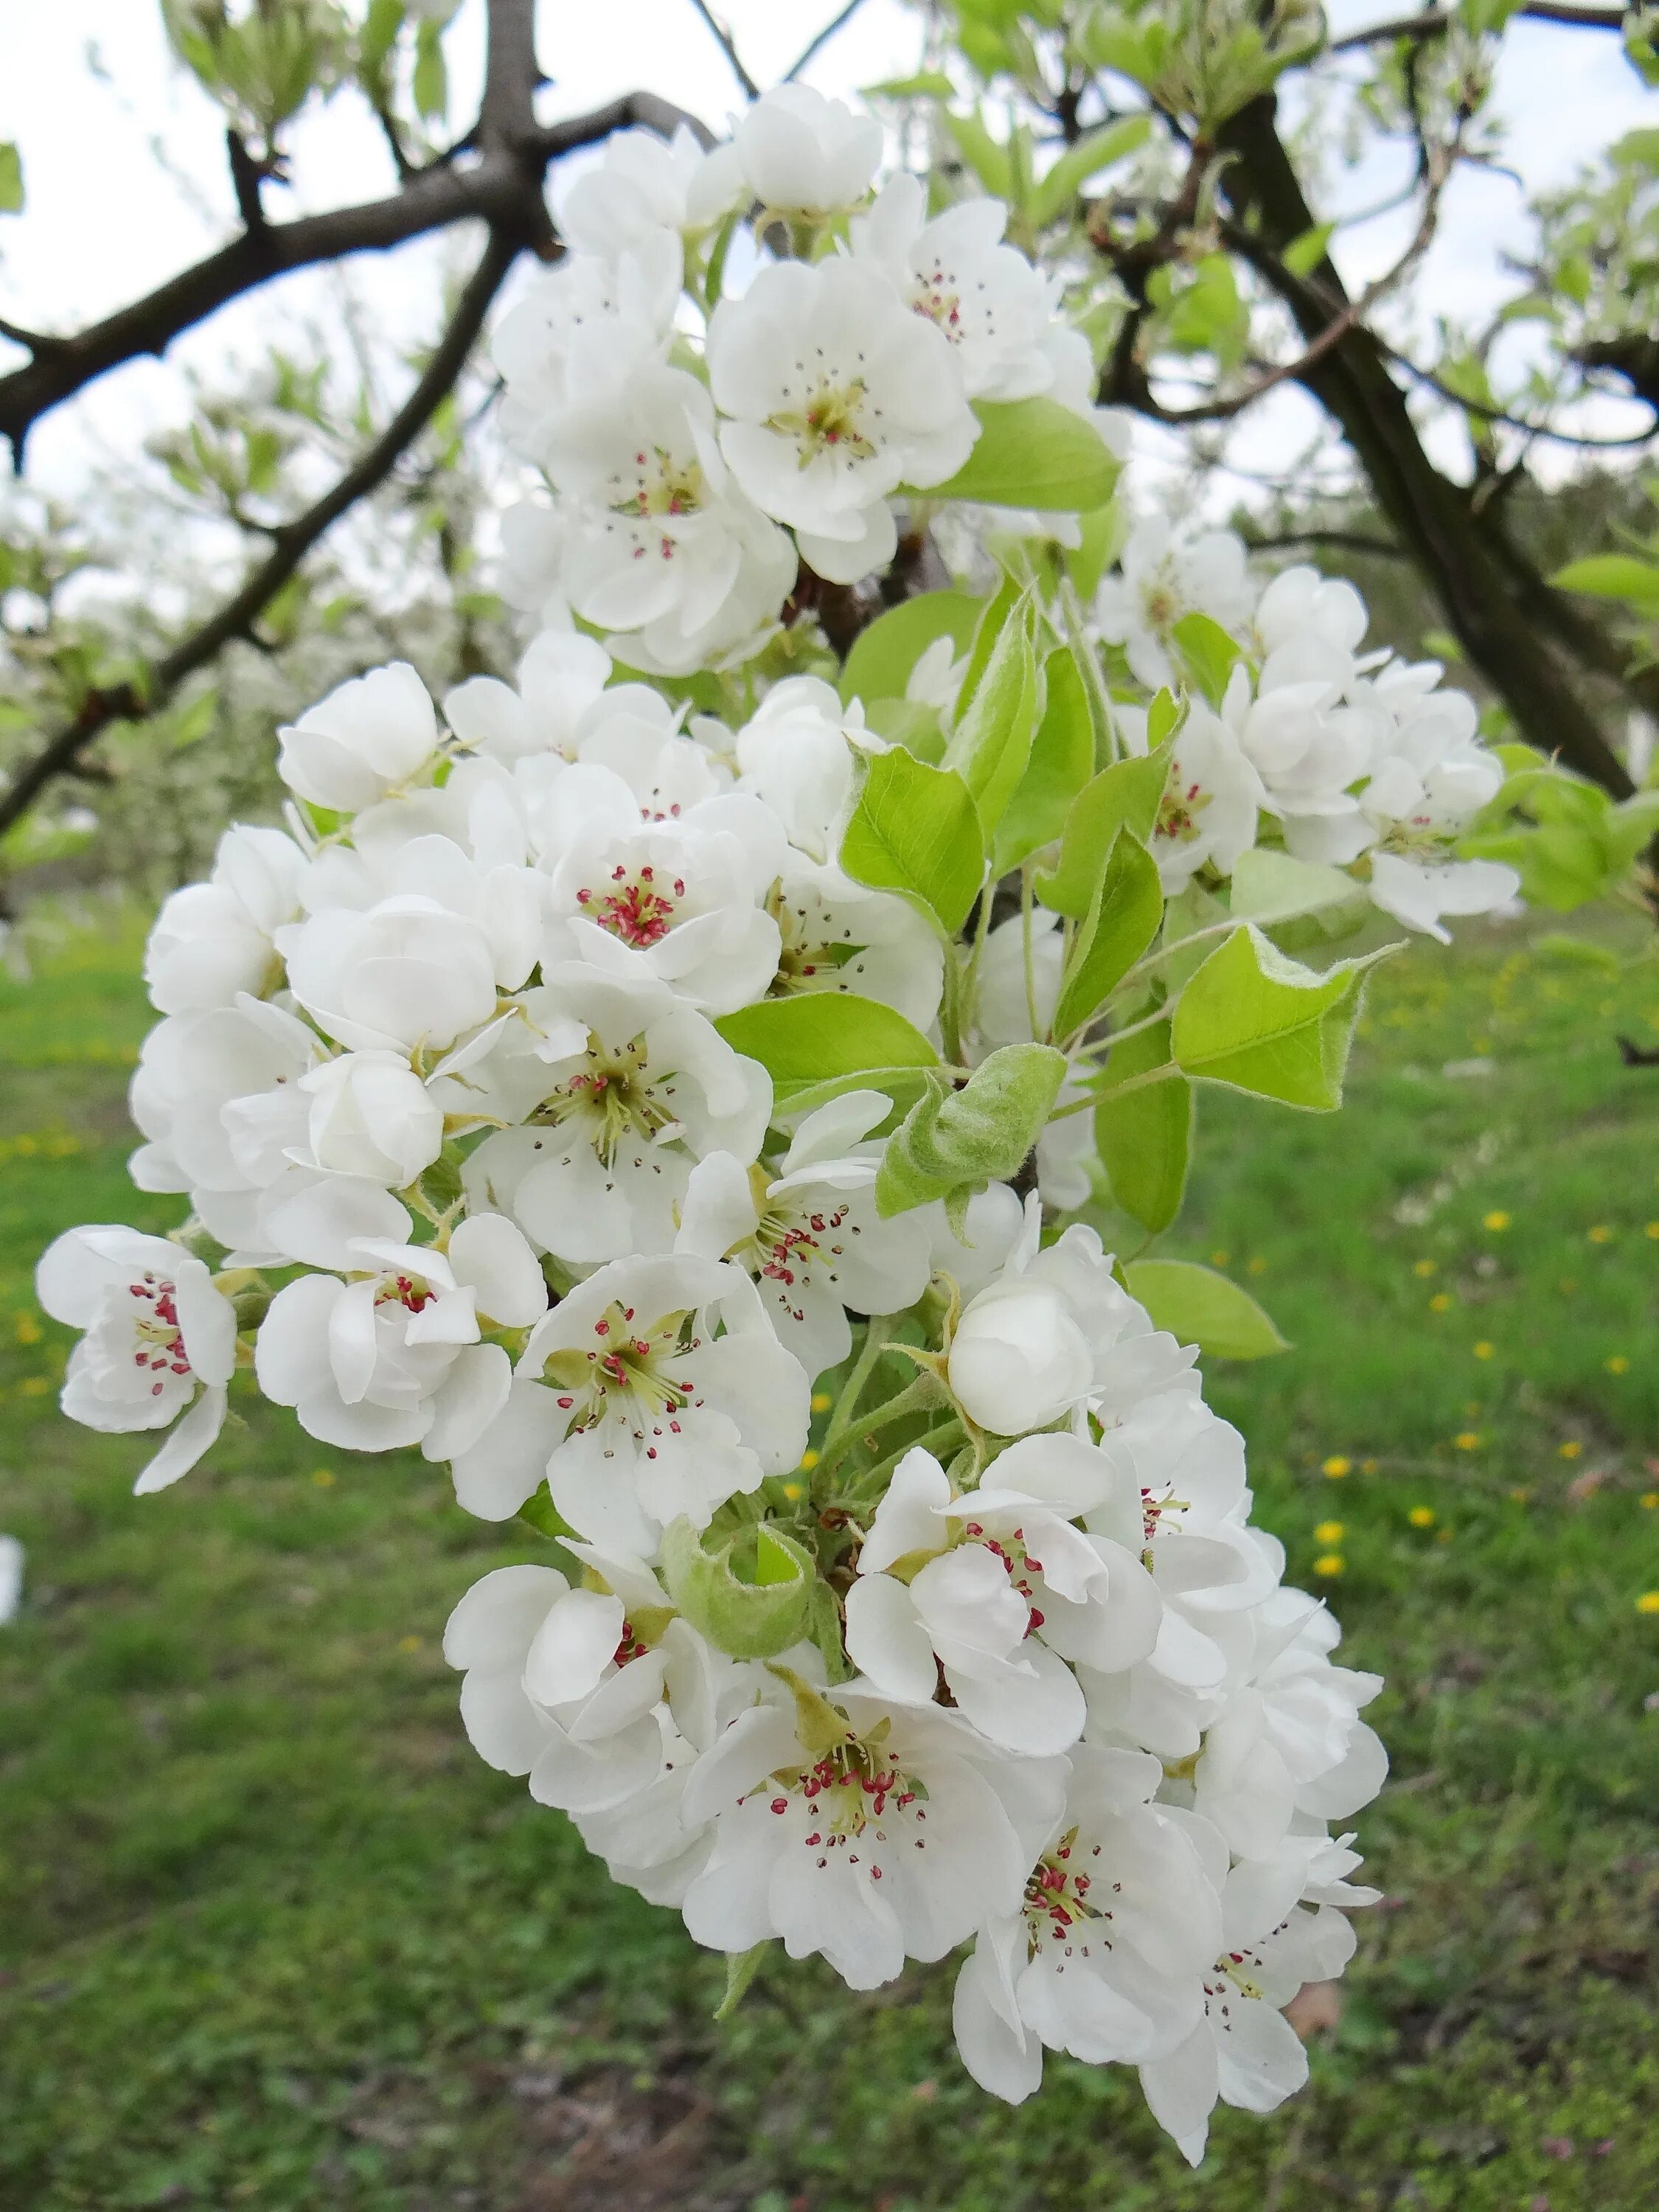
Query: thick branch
(504, 187)
(291, 544)
(1434, 23)
(1429, 515)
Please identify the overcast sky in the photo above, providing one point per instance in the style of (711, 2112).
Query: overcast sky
(125, 171)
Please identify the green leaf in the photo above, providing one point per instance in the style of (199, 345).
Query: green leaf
(907, 722)
(1613, 576)
(1125, 796)
(817, 1035)
(1062, 754)
(914, 830)
(986, 159)
(1145, 1138)
(430, 82)
(741, 1967)
(1035, 453)
(1122, 921)
(1208, 652)
(929, 84)
(992, 742)
(1095, 151)
(961, 1140)
(1203, 1308)
(1258, 1022)
(994, 616)
(720, 1592)
(1307, 250)
(883, 656)
(11, 180)
(1102, 531)
(1269, 886)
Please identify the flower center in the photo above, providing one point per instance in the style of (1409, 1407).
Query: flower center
(612, 1099)
(1160, 604)
(936, 296)
(663, 486)
(849, 1789)
(626, 1375)
(633, 906)
(1016, 1559)
(1064, 1898)
(829, 422)
(158, 1343)
(403, 1291)
(810, 958)
(1178, 811)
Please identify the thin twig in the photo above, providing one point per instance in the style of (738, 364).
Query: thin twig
(815, 44)
(126, 702)
(729, 46)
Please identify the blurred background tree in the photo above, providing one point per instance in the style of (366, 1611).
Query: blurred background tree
(1195, 172)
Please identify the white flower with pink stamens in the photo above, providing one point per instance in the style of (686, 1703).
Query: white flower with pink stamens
(159, 1341)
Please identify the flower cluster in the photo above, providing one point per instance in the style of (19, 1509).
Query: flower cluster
(1351, 756)
(660, 1101)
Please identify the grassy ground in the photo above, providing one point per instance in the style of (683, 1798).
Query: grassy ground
(277, 1937)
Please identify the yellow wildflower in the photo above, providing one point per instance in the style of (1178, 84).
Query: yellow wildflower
(1601, 1234)
(1647, 1602)
(1571, 1449)
(1468, 1440)
(1618, 1364)
(1421, 1517)
(822, 1401)
(1336, 1467)
(1425, 1268)
(1485, 1350)
(1442, 1301)
(323, 1478)
(1328, 1533)
(1497, 1219)
(1330, 1562)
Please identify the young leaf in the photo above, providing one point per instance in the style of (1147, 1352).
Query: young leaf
(736, 1612)
(1145, 1138)
(11, 180)
(1095, 151)
(1121, 923)
(994, 614)
(883, 656)
(986, 159)
(1062, 754)
(961, 1140)
(1203, 1308)
(914, 830)
(1307, 250)
(992, 742)
(1269, 886)
(1035, 453)
(817, 1035)
(1258, 1022)
(1613, 576)
(1208, 653)
(1125, 796)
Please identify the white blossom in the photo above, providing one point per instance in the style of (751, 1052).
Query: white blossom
(214, 940)
(672, 1395)
(160, 1340)
(834, 394)
(801, 153)
(809, 1234)
(370, 736)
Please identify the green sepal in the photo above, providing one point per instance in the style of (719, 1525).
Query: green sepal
(742, 1596)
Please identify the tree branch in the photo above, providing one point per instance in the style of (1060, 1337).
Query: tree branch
(1431, 515)
(1434, 23)
(503, 188)
(1338, 540)
(125, 702)
(815, 44)
(729, 46)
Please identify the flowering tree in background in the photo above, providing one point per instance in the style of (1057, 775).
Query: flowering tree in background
(682, 1090)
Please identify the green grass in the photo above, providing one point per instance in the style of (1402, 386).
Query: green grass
(274, 1936)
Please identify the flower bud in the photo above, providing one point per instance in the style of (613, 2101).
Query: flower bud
(1019, 1360)
(372, 1115)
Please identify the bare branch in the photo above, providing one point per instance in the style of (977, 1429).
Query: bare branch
(815, 46)
(125, 702)
(727, 45)
(1435, 22)
(503, 188)
(1338, 541)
